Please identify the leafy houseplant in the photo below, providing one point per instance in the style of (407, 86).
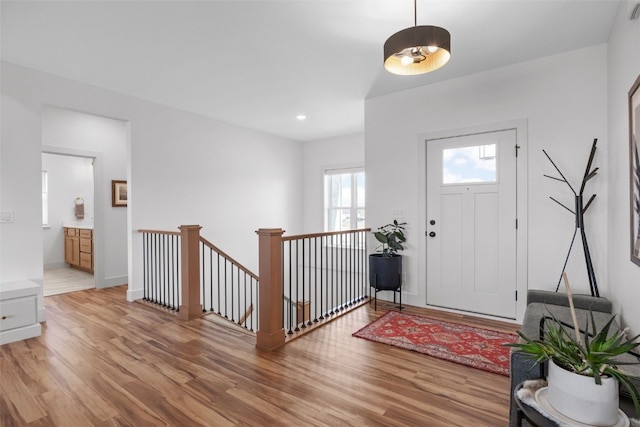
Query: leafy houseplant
(385, 266)
(392, 237)
(594, 357)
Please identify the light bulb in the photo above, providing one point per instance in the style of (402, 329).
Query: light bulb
(406, 60)
(432, 49)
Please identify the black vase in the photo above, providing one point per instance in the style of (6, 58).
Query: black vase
(385, 274)
(385, 271)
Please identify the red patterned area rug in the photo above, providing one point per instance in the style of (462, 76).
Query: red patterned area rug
(466, 345)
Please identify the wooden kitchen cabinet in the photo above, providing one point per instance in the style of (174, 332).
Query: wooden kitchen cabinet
(78, 248)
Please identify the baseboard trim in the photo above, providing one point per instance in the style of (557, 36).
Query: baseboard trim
(114, 281)
(20, 334)
(55, 265)
(134, 294)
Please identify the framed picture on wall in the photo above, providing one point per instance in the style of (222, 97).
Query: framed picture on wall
(118, 194)
(634, 169)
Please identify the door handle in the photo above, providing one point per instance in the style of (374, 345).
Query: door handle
(432, 234)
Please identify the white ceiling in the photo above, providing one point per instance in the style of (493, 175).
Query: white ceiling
(259, 63)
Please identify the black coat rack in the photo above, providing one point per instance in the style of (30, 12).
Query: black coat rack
(580, 209)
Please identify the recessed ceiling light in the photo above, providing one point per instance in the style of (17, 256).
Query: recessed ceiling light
(301, 117)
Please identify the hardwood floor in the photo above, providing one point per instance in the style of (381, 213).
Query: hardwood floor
(102, 361)
(63, 280)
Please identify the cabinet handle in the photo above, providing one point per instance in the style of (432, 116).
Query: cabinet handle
(4, 317)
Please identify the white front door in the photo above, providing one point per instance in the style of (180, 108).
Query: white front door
(471, 223)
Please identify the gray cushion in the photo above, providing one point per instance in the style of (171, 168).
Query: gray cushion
(536, 311)
(585, 302)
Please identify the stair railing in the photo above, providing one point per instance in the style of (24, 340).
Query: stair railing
(161, 273)
(305, 280)
(185, 273)
(324, 274)
(228, 288)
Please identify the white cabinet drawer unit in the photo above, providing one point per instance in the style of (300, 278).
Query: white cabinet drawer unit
(18, 311)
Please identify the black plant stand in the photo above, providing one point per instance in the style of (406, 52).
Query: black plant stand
(580, 209)
(398, 290)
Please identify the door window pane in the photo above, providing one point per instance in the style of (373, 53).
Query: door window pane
(469, 164)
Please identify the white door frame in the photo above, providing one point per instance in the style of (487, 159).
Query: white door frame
(521, 129)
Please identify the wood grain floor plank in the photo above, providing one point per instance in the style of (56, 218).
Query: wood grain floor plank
(199, 411)
(42, 422)
(130, 408)
(116, 421)
(95, 408)
(156, 402)
(107, 362)
(9, 415)
(63, 410)
(16, 394)
(32, 371)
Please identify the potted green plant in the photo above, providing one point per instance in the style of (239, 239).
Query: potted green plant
(582, 366)
(392, 238)
(385, 266)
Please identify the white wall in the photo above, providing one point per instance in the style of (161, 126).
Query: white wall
(563, 98)
(623, 70)
(318, 156)
(194, 170)
(69, 177)
(183, 169)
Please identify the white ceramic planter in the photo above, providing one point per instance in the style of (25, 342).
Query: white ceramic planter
(580, 398)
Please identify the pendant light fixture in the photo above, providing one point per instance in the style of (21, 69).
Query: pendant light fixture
(418, 49)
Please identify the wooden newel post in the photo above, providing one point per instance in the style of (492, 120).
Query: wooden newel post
(271, 332)
(190, 306)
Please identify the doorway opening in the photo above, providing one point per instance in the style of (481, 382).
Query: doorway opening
(68, 207)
